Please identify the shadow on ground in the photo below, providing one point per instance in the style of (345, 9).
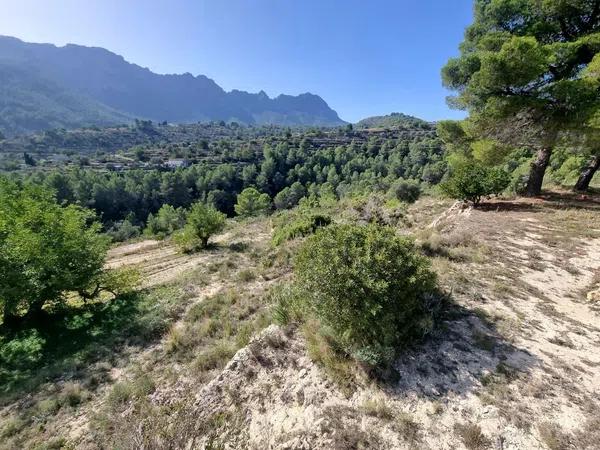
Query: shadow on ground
(465, 349)
(65, 342)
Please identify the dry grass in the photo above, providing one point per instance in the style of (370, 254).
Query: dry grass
(377, 407)
(472, 437)
(553, 436)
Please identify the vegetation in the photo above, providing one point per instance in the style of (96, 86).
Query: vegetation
(166, 222)
(471, 181)
(528, 74)
(230, 160)
(394, 120)
(250, 202)
(46, 250)
(369, 289)
(202, 222)
(304, 225)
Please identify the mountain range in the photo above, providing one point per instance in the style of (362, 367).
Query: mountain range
(43, 86)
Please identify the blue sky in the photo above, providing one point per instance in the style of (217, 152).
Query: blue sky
(363, 57)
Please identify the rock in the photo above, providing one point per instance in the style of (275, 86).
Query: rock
(594, 296)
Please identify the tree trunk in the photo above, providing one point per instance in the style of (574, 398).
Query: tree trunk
(536, 174)
(35, 309)
(587, 174)
(9, 318)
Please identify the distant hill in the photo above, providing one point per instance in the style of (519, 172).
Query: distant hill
(394, 120)
(44, 86)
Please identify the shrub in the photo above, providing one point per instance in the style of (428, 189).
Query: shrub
(408, 191)
(123, 231)
(22, 351)
(167, 220)
(368, 287)
(250, 202)
(202, 222)
(301, 226)
(471, 181)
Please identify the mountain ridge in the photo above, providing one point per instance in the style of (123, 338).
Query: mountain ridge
(109, 83)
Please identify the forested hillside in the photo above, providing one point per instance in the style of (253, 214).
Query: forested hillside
(223, 160)
(395, 120)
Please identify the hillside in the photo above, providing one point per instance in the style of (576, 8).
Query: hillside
(30, 102)
(74, 86)
(186, 361)
(394, 120)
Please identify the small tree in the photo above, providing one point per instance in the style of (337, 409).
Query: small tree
(471, 181)
(289, 197)
(167, 220)
(202, 222)
(367, 286)
(45, 249)
(250, 202)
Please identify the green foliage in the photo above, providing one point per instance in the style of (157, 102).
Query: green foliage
(528, 74)
(407, 191)
(290, 196)
(167, 221)
(222, 167)
(250, 202)
(527, 55)
(566, 166)
(24, 350)
(83, 334)
(123, 231)
(202, 222)
(302, 225)
(368, 288)
(45, 249)
(471, 181)
(394, 120)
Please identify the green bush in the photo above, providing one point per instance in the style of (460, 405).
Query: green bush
(250, 202)
(471, 181)
(368, 287)
(166, 222)
(24, 350)
(123, 231)
(407, 191)
(301, 226)
(202, 222)
(570, 169)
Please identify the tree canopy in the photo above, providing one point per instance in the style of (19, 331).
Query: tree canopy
(250, 202)
(45, 249)
(528, 71)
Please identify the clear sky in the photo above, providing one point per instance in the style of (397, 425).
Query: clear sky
(363, 57)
